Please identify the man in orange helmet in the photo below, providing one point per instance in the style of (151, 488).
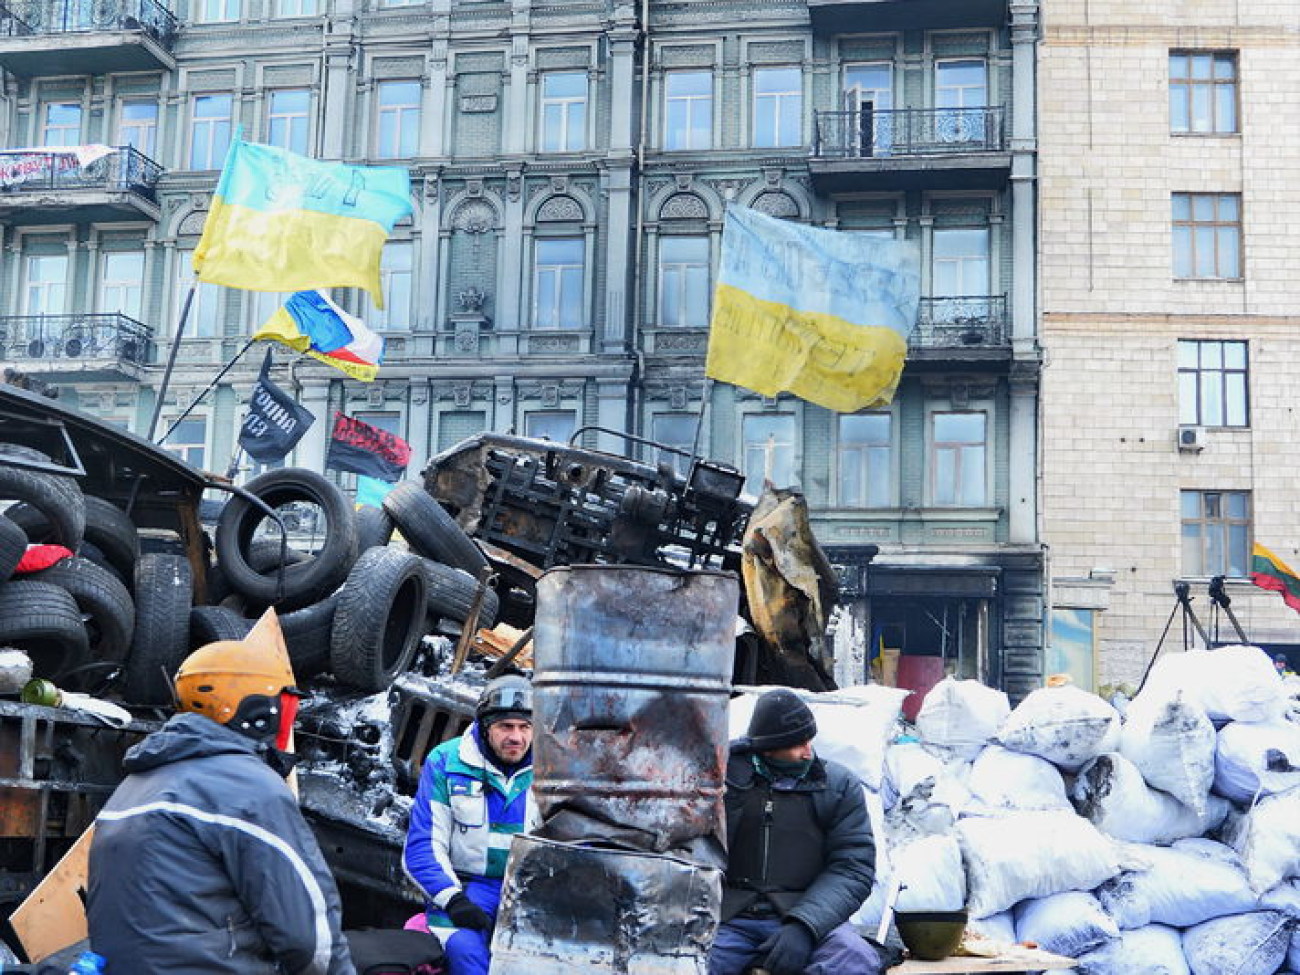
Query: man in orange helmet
(201, 860)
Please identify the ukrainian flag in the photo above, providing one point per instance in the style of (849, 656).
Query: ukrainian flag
(282, 222)
(818, 313)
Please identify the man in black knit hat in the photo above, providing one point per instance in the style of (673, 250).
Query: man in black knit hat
(801, 855)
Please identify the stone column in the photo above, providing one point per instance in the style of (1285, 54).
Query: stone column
(310, 452)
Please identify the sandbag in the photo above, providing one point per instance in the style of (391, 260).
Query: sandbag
(1110, 793)
(1179, 887)
(1065, 725)
(1152, 950)
(962, 715)
(909, 765)
(1241, 944)
(1253, 759)
(1171, 740)
(996, 927)
(1267, 838)
(1233, 683)
(930, 869)
(1069, 923)
(1031, 854)
(1002, 781)
(1285, 897)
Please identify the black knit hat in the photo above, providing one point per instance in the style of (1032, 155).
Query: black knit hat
(780, 720)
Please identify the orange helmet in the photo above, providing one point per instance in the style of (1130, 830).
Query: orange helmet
(215, 678)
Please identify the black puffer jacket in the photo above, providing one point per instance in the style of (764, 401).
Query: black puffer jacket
(202, 864)
(837, 826)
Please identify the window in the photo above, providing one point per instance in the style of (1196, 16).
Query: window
(121, 282)
(961, 95)
(688, 110)
(674, 430)
(1202, 92)
(396, 277)
(188, 441)
(864, 461)
(1212, 383)
(457, 425)
(295, 8)
(1216, 533)
(397, 135)
(557, 425)
(62, 126)
(388, 422)
(558, 265)
(203, 321)
(960, 266)
(870, 84)
(959, 447)
(769, 451)
(262, 305)
(684, 282)
(210, 131)
(1072, 648)
(564, 111)
(215, 11)
(778, 107)
(137, 124)
(46, 287)
(288, 124)
(1207, 235)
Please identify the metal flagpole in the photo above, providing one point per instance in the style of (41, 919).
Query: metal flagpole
(197, 399)
(699, 421)
(171, 359)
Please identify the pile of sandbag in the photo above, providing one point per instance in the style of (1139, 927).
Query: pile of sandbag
(1164, 841)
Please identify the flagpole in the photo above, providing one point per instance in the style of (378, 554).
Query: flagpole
(171, 359)
(699, 420)
(207, 389)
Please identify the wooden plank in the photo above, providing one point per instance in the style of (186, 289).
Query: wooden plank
(1024, 960)
(53, 915)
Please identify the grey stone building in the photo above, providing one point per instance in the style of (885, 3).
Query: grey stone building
(571, 161)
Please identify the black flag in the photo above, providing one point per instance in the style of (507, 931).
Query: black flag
(274, 423)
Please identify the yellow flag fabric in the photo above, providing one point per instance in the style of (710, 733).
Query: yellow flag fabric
(310, 323)
(817, 313)
(283, 222)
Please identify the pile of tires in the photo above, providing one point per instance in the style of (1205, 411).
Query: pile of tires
(356, 606)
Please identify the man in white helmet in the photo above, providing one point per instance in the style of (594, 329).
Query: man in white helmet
(201, 861)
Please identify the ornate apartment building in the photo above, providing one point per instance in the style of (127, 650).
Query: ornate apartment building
(1170, 137)
(571, 161)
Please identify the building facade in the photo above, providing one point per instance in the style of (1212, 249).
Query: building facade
(1169, 138)
(571, 162)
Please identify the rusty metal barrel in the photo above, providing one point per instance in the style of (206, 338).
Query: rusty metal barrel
(632, 674)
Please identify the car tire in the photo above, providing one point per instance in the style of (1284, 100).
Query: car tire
(450, 594)
(429, 530)
(13, 545)
(212, 624)
(56, 497)
(379, 619)
(163, 598)
(374, 527)
(307, 634)
(43, 621)
(105, 605)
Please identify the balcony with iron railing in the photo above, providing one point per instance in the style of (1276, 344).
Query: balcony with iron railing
(861, 16)
(98, 345)
(52, 186)
(964, 326)
(910, 148)
(58, 37)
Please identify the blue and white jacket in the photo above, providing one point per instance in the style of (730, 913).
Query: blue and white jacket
(466, 811)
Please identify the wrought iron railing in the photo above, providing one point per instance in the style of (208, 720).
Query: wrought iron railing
(97, 336)
(20, 18)
(125, 169)
(968, 321)
(868, 132)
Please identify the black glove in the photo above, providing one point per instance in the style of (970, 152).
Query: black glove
(464, 913)
(789, 949)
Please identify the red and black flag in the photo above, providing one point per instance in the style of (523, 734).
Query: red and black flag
(362, 449)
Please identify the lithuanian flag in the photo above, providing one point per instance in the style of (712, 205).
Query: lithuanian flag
(1269, 572)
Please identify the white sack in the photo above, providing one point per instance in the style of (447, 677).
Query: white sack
(962, 715)
(1152, 950)
(1181, 887)
(1267, 838)
(1110, 793)
(1235, 683)
(1293, 950)
(868, 915)
(999, 927)
(1002, 781)
(1285, 897)
(909, 765)
(1031, 854)
(1065, 725)
(1171, 740)
(854, 724)
(1241, 944)
(1071, 923)
(932, 874)
(1256, 758)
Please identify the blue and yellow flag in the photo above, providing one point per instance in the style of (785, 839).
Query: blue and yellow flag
(282, 222)
(818, 313)
(309, 322)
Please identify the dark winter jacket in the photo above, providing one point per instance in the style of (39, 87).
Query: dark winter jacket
(202, 864)
(803, 844)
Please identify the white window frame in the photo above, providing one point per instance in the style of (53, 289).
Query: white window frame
(193, 452)
(142, 134)
(932, 448)
(296, 125)
(548, 415)
(45, 292)
(285, 9)
(204, 321)
(572, 111)
(397, 281)
(770, 449)
(123, 295)
(216, 131)
(777, 103)
(691, 104)
(403, 118)
(684, 314)
(862, 458)
(567, 274)
(62, 134)
(882, 101)
(678, 462)
(215, 11)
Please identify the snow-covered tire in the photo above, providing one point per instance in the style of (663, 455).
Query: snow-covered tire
(105, 604)
(450, 594)
(56, 497)
(429, 530)
(374, 527)
(43, 621)
(163, 596)
(212, 624)
(307, 581)
(307, 636)
(13, 543)
(379, 619)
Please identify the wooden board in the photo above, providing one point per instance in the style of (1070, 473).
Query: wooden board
(1024, 960)
(53, 915)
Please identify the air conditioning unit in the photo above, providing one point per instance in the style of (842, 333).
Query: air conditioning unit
(1192, 439)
